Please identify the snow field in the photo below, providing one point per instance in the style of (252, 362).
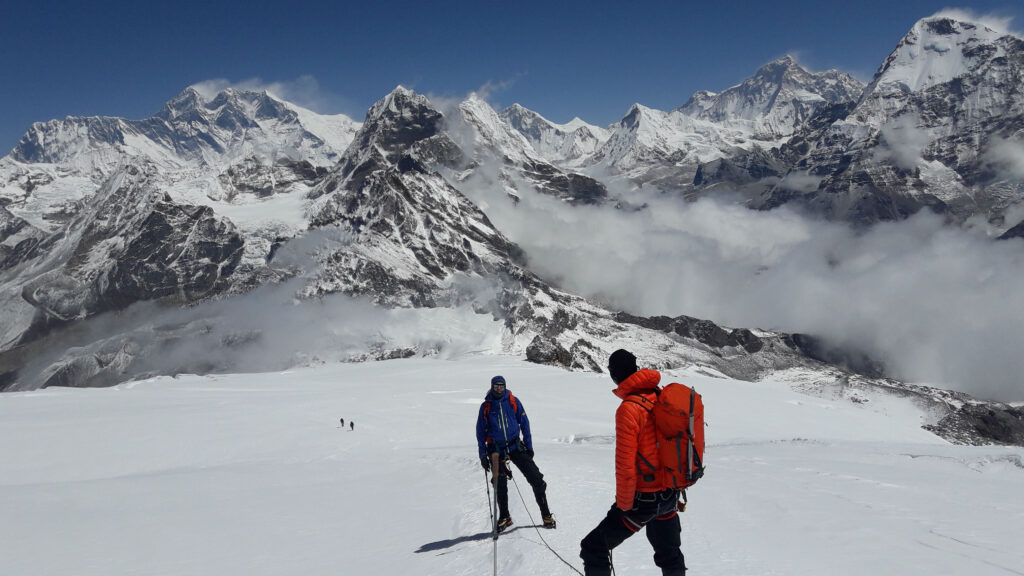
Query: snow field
(250, 474)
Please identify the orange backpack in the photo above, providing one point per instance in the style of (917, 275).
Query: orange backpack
(679, 420)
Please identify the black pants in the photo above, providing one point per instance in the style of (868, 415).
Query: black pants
(532, 474)
(656, 512)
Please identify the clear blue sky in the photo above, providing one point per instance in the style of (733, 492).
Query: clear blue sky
(591, 59)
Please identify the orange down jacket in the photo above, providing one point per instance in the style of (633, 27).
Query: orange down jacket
(637, 466)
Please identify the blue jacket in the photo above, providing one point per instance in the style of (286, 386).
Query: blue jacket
(501, 424)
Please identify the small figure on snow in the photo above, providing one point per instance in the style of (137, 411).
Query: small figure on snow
(501, 419)
(352, 424)
(342, 422)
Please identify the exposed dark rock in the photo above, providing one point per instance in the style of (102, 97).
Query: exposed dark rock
(744, 169)
(987, 423)
(704, 331)
(253, 176)
(184, 252)
(853, 360)
(548, 351)
(1015, 232)
(22, 251)
(582, 353)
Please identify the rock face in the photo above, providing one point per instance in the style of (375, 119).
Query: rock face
(562, 144)
(935, 129)
(666, 149)
(983, 423)
(776, 102)
(402, 212)
(412, 239)
(938, 128)
(494, 144)
(199, 202)
(128, 243)
(189, 129)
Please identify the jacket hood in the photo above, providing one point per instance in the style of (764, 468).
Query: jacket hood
(640, 381)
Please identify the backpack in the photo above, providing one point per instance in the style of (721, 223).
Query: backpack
(679, 421)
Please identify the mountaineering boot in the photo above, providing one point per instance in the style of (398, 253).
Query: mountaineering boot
(549, 521)
(504, 522)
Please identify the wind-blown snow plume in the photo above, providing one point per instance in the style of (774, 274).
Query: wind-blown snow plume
(998, 23)
(303, 91)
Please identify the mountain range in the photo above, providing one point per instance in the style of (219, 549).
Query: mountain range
(106, 224)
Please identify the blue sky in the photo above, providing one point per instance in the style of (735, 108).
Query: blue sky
(562, 59)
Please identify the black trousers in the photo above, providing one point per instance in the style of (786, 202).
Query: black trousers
(656, 512)
(526, 465)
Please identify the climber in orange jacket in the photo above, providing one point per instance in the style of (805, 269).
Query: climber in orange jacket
(642, 498)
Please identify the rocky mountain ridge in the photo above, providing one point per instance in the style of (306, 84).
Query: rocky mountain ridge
(936, 129)
(100, 216)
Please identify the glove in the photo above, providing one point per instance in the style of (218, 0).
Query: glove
(529, 452)
(486, 463)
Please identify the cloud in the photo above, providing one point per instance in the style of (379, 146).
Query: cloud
(902, 142)
(1006, 157)
(800, 181)
(486, 92)
(937, 305)
(490, 88)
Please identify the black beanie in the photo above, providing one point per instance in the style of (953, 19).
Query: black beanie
(621, 364)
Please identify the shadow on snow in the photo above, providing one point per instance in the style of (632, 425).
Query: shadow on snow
(442, 544)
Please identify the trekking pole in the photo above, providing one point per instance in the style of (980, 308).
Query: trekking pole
(490, 509)
(494, 478)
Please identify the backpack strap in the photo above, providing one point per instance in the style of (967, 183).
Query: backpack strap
(511, 399)
(647, 405)
(642, 401)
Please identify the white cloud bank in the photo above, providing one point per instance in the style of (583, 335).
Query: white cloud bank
(937, 305)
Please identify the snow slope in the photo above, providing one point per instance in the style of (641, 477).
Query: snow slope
(250, 474)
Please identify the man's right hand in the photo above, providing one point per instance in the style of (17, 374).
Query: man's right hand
(486, 463)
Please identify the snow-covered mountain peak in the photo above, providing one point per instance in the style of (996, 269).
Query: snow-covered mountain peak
(927, 131)
(568, 143)
(401, 108)
(401, 98)
(634, 119)
(769, 106)
(189, 99)
(518, 109)
(192, 128)
(494, 133)
(938, 50)
(193, 104)
(778, 68)
(775, 89)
